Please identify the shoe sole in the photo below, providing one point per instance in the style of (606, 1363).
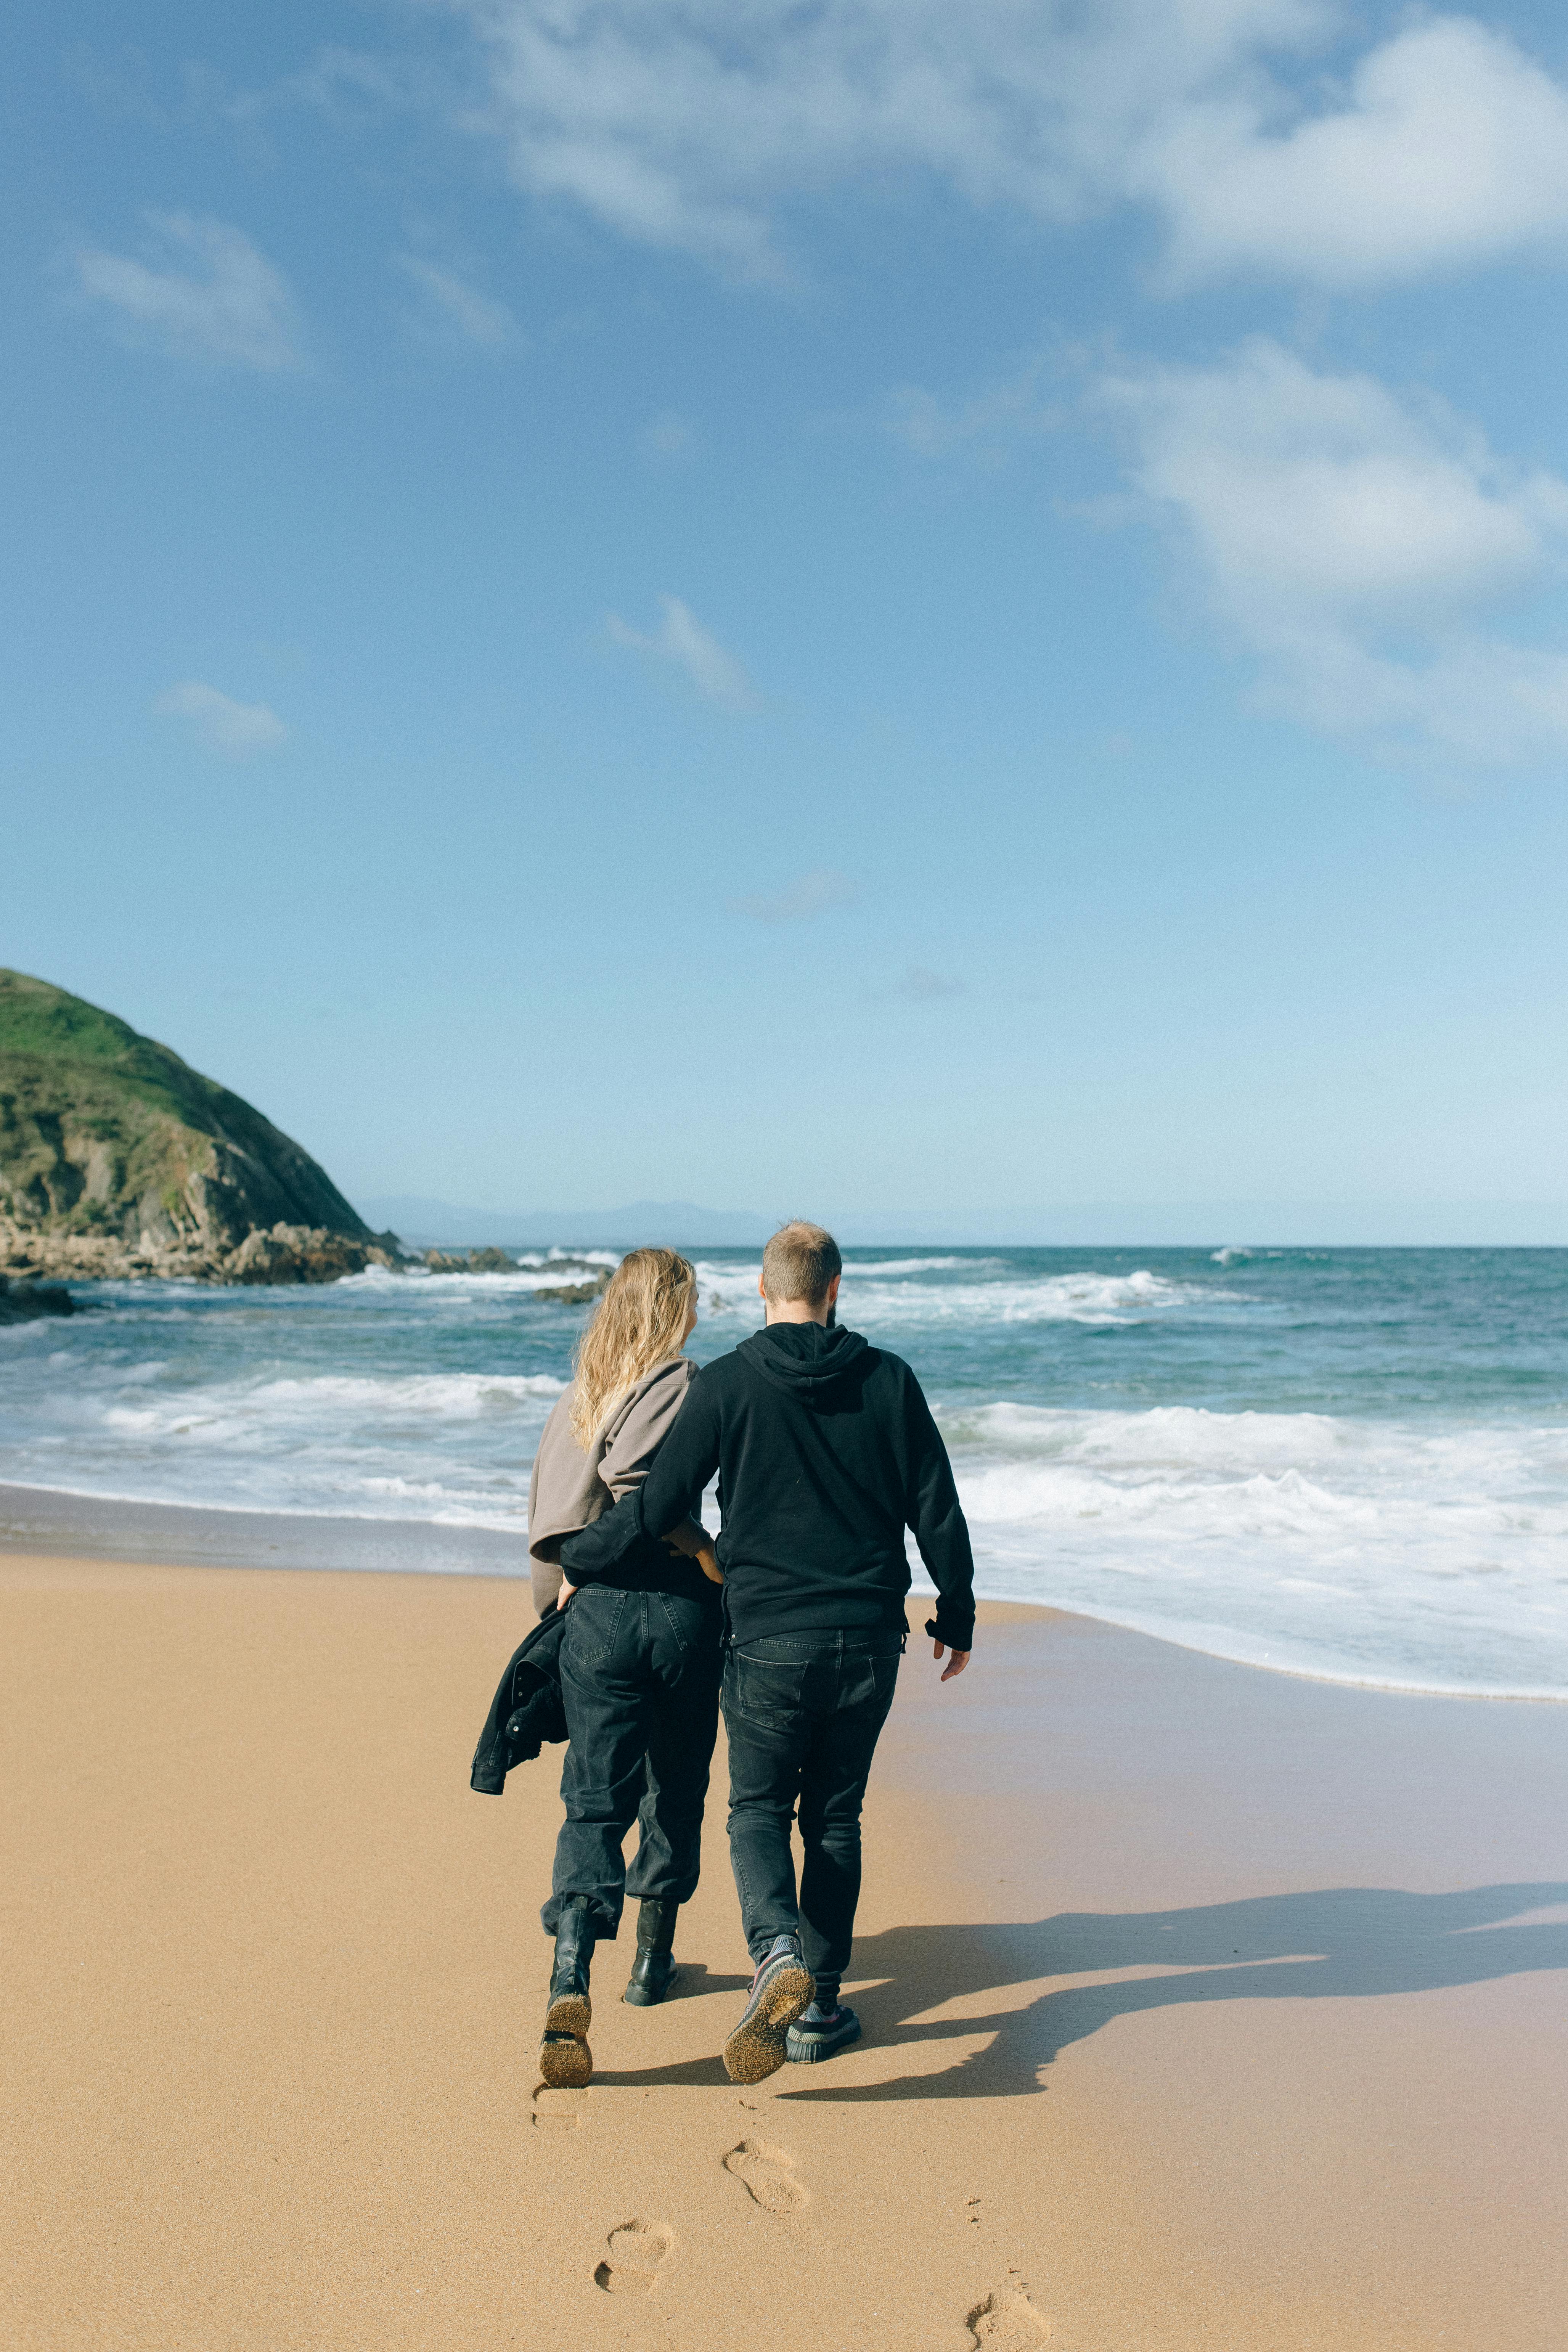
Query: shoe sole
(756, 2048)
(570, 2012)
(565, 2061)
(565, 2064)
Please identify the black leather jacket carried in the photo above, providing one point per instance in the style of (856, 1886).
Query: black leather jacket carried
(527, 1708)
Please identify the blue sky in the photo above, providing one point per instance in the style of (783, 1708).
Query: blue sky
(890, 610)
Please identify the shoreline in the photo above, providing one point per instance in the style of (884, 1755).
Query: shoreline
(63, 1522)
(1199, 2007)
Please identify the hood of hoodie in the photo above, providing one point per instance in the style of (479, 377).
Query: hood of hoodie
(804, 1358)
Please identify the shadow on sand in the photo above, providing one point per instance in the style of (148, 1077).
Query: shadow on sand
(694, 1978)
(1338, 1943)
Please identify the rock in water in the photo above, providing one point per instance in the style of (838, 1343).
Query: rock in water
(495, 1261)
(444, 1262)
(577, 1294)
(480, 1261)
(117, 1159)
(301, 1254)
(32, 1299)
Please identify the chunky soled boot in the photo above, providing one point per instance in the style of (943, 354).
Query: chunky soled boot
(565, 2060)
(653, 1970)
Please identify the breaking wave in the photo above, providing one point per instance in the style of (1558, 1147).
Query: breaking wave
(1390, 1552)
(1352, 1464)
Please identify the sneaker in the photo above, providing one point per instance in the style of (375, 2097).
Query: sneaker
(819, 2034)
(780, 1989)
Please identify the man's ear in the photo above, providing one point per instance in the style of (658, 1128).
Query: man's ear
(833, 1290)
(762, 1288)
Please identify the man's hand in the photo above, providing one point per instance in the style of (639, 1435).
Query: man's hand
(955, 1664)
(708, 1561)
(565, 1595)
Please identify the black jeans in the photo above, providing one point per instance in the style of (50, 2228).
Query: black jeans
(639, 1676)
(803, 1712)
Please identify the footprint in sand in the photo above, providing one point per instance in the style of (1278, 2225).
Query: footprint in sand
(638, 2252)
(559, 2110)
(769, 2174)
(1007, 2321)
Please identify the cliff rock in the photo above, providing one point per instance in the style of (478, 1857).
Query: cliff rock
(117, 1159)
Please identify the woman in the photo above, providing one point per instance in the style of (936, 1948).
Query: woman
(639, 1652)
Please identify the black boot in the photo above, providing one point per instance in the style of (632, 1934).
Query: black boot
(565, 2060)
(654, 1970)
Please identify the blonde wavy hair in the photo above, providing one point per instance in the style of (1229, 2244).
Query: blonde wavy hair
(639, 1322)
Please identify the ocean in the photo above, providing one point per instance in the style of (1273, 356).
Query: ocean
(1352, 1464)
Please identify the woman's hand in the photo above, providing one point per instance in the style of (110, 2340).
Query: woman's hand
(566, 1593)
(689, 1541)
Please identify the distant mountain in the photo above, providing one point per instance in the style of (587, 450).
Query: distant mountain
(1081, 1224)
(117, 1158)
(679, 1224)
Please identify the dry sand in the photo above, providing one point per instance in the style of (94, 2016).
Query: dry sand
(1204, 2007)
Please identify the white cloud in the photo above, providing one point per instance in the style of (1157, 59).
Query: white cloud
(1354, 544)
(450, 298)
(668, 436)
(349, 86)
(691, 123)
(1453, 149)
(681, 638)
(987, 422)
(236, 730)
(807, 895)
(686, 122)
(204, 293)
(923, 986)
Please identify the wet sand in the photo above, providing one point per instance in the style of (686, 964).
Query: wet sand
(1204, 2007)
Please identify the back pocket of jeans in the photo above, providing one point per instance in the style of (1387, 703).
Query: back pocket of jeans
(867, 1680)
(593, 1624)
(767, 1691)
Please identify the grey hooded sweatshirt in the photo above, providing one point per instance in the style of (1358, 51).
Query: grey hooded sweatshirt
(570, 1488)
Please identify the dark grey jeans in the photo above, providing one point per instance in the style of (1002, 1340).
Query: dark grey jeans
(639, 1676)
(803, 1712)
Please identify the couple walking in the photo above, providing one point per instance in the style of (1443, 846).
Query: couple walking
(825, 1451)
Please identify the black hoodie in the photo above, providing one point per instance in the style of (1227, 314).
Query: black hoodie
(826, 1451)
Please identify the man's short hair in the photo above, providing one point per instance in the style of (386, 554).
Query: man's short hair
(800, 1261)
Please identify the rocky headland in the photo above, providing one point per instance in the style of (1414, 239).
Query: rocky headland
(118, 1159)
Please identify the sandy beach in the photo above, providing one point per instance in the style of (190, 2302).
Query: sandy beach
(1203, 2006)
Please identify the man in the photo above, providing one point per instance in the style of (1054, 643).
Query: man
(826, 1451)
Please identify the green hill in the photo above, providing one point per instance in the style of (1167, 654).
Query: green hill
(115, 1156)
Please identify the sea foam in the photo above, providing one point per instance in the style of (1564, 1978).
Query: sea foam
(1352, 1464)
(1387, 1552)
